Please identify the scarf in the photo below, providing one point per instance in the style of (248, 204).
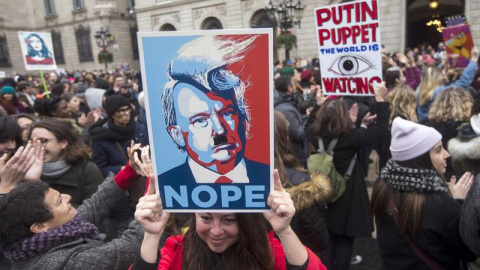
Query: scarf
(56, 168)
(43, 242)
(106, 130)
(412, 180)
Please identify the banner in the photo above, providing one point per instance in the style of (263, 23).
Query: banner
(37, 50)
(458, 44)
(210, 117)
(348, 37)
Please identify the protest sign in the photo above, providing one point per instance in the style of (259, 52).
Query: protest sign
(458, 44)
(349, 48)
(37, 50)
(209, 111)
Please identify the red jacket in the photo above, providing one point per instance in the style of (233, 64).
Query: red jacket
(172, 255)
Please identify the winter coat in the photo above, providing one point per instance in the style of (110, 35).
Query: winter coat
(285, 104)
(86, 253)
(310, 198)
(80, 181)
(470, 218)
(413, 77)
(438, 236)
(106, 153)
(350, 214)
(464, 81)
(465, 151)
(172, 256)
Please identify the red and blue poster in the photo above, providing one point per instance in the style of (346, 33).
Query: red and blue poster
(209, 111)
(458, 44)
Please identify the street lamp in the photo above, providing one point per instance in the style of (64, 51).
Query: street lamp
(286, 14)
(104, 39)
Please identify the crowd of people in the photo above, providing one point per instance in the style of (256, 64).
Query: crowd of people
(86, 139)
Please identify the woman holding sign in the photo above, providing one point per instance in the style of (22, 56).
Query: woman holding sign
(224, 240)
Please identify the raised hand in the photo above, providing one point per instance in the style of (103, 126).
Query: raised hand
(459, 190)
(353, 112)
(282, 206)
(132, 151)
(144, 162)
(12, 172)
(149, 212)
(35, 171)
(368, 119)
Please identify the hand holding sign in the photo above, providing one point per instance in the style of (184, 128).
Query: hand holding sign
(281, 204)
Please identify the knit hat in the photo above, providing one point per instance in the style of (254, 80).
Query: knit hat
(306, 75)
(411, 140)
(288, 71)
(8, 90)
(113, 103)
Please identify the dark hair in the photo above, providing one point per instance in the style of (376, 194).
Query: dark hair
(67, 96)
(409, 205)
(251, 251)
(76, 150)
(46, 106)
(57, 89)
(32, 52)
(102, 84)
(9, 130)
(283, 82)
(391, 76)
(20, 209)
(332, 116)
(283, 153)
(23, 85)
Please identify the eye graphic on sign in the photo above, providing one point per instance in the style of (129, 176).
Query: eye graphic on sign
(349, 65)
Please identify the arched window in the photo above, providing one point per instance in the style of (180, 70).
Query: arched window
(261, 19)
(168, 27)
(84, 45)
(133, 35)
(211, 23)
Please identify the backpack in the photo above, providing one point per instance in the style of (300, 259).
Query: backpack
(322, 162)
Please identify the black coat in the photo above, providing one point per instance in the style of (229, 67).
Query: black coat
(310, 197)
(285, 104)
(350, 214)
(438, 237)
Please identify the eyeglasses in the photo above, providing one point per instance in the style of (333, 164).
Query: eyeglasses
(44, 141)
(124, 111)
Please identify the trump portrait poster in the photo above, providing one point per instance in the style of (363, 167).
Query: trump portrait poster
(348, 38)
(209, 112)
(37, 50)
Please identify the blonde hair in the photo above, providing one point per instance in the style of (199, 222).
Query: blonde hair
(402, 102)
(432, 78)
(452, 104)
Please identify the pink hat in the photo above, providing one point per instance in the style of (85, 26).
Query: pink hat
(411, 140)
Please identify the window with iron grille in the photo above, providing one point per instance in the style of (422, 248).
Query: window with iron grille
(57, 47)
(84, 45)
(49, 8)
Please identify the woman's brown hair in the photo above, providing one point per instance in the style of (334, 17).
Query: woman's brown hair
(251, 251)
(409, 205)
(283, 152)
(333, 116)
(76, 150)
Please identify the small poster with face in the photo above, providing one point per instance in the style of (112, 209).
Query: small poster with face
(37, 50)
(349, 48)
(458, 44)
(210, 117)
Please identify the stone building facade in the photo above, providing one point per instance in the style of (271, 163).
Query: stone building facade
(73, 24)
(397, 18)
(402, 24)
